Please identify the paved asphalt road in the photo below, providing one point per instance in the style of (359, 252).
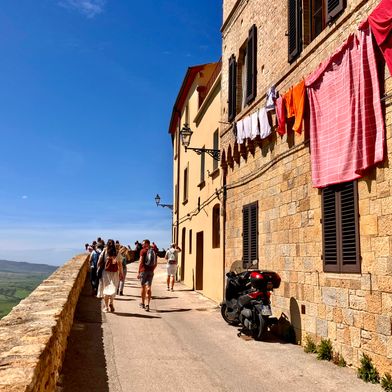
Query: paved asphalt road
(183, 344)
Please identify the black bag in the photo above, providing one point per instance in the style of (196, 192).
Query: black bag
(150, 259)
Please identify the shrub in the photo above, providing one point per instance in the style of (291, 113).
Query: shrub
(339, 360)
(367, 372)
(386, 382)
(324, 350)
(310, 345)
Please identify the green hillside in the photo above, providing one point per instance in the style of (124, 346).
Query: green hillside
(18, 280)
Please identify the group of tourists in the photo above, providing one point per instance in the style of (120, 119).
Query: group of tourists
(108, 269)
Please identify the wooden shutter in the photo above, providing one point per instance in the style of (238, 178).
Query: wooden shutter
(251, 65)
(202, 165)
(330, 251)
(341, 251)
(250, 234)
(294, 29)
(349, 228)
(232, 101)
(334, 7)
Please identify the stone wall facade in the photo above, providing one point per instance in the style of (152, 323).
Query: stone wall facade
(33, 337)
(353, 310)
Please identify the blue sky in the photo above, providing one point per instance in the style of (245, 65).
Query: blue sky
(86, 93)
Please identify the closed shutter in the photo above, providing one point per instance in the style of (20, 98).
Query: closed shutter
(251, 65)
(250, 235)
(349, 228)
(341, 251)
(330, 255)
(334, 7)
(294, 29)
(232, 99)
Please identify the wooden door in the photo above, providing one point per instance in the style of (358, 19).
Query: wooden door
(199, 260)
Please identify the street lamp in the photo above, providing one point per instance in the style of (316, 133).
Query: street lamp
(186, 134)
(158, 201)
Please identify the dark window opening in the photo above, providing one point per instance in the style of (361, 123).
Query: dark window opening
(232, 98)
(307, 19)
(216, 226)
(250, 257)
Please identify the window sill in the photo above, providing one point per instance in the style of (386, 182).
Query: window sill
(202, 184)
(215, 173)
(185, 202)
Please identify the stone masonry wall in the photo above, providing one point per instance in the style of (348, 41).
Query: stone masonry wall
(353, 310)
(33, 337)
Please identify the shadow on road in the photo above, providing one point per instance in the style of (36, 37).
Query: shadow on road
(137, 315)
(172, 310)
(153, 297)
(84, 367)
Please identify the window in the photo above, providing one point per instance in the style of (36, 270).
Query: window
(250, 235)
(340, 228)
(307, 19)
(232, 99)
(190, 241)
(215, 145)
(247, 68)
(216, 226)
(185, 194)
(251, 65)
(202, 166)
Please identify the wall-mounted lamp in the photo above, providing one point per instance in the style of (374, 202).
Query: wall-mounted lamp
(158, 201)
(186, 134)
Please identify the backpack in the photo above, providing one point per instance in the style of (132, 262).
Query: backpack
(150, 259)
(94, 259)
(111, 264)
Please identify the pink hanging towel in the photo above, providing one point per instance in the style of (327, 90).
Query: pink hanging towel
(380, 21)
(280, 114)
(346, 120)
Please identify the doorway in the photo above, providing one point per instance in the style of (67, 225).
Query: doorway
(182, 271)
(199, 260)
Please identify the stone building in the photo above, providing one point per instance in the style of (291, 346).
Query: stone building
(273, 213)
(196, 179)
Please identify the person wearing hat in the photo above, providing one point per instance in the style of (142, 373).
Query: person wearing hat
(172, 262)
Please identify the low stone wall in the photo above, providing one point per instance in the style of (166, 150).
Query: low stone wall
(33, 337)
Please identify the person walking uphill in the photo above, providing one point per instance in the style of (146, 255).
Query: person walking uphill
(147, 265)
(172, 262)
(111, 275)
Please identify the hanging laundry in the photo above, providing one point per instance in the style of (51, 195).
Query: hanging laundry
(247, 127)
(271, 98)
(240, 131)
(346, 120)
(289, 104)
(254, 125)
(281, 115)
(299, 105)
(380, 21)
(265, 127)
(295, 102)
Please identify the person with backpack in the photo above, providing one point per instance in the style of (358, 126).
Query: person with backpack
(111, 275)
(147, 265)
(94, 280)
(172, 262)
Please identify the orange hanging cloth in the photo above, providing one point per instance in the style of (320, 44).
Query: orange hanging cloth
(295, 104)
(299, 105)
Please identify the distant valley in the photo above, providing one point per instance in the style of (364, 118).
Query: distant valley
(18, 280)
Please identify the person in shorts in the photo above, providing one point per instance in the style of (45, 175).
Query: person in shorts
(146, 275)
(172, 262)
